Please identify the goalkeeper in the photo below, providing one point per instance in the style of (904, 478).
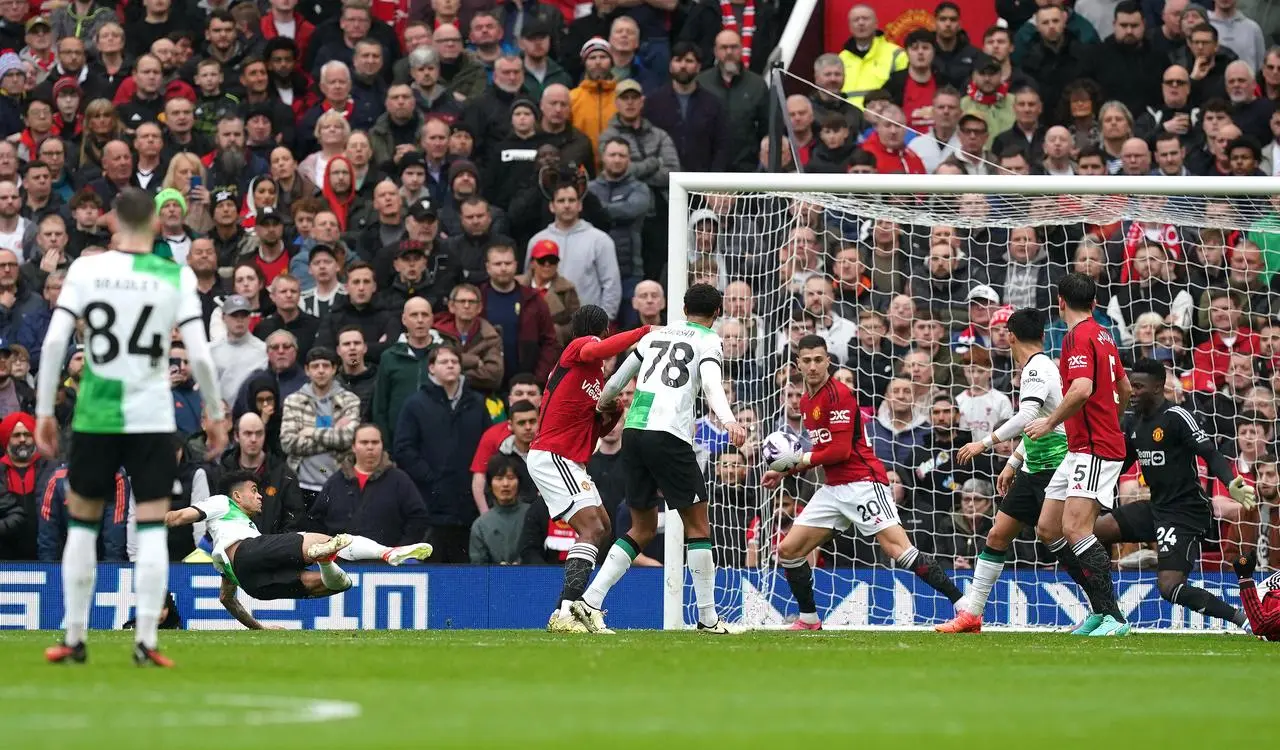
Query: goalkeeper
(1264, 611)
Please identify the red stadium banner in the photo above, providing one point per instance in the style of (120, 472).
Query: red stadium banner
(900, 17)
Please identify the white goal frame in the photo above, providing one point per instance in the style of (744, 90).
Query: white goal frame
(682, 183)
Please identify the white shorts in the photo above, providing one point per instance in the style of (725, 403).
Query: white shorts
(565, 485)
(1085, 475)
(866, 505)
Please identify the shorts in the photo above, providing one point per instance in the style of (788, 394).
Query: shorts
(1026, 497)
(270, 567)
(661, 461)
(1085, 475)
(148, 458)
(1177, 541)
(565, 485)
(868, 506)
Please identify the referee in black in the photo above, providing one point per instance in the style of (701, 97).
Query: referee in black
(1165, 440)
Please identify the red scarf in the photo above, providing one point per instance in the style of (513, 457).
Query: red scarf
(346, 110)
(987, 100)
(729, 22)
(1167, 238)
(339, 206)
(64, 130)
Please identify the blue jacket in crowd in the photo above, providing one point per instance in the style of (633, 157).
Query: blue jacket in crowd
(434, 444)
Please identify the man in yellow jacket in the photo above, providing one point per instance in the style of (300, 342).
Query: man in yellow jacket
(592, 103)
(869, 59)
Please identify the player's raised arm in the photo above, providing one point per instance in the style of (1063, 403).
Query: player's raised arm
(1217, 463)
(629, 368)
(614, 345)
(182, 517)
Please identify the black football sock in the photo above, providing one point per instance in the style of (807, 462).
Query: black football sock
(1066, 557)
(800, 579)
(1199, 600)
(928, 570)
(1095, 565)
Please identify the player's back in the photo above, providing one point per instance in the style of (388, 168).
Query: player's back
(1088, 351)
(1040, 382)
(1166, 444)
(833, 414)
(130, 303)
(668, 384)
(566, 418)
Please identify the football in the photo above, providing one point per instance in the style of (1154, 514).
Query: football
(778, 444)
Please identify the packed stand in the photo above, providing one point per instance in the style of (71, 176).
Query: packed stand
(393, 209)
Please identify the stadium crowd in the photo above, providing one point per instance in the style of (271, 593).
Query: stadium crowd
(392, 209)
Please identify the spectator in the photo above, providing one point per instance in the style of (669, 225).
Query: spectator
(574, 145)
(328, 291)
(437, 432)
(1175, 114)
(1135, 158)
(540, 71)
(1238, 32)
(354, 373)
(521, 315)
(370, 497)
(898, 429)
(1249, 112)
(282, 365)
(1207, 62)
(477, 341)
(1229, 332)
(1028, 130)
(51, 519)
(588, 258)
(318, 424)
(942, 140)
(495, 537)
(230, 240)
(516, 151)
(1023, 280)
(285, 296)
(283, 510)
(954, 55)
(523, 388)
(240, 353)
(460, 71)
(380, 326)
(869, 58)
(1055, 55)
(467, 251)
(988, 98)
(592, 102)
(558, 292)
(402, 367)
(188, 405)
(627, 200)
(488, 116)
(942, 285)
(912, 88)
(21, 466)
(744, 95)
(1126, 65)
(981, 409)
(693, 116)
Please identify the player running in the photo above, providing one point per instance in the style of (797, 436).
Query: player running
(672, 365)
(1164, 439)
(275, 566)
(568, 428)
(857, 489)
(130, 301)
(1028, 471)
(1263, 609)
(1097, 392)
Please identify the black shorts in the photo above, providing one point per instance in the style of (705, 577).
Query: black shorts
(1026, 497)
(661, 461)
(270, 566)
(1177, 541)
(149, 458)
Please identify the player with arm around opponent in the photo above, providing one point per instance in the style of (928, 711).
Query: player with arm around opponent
(568, 427)
(856, 493)
(1165, 440)
(274, 566)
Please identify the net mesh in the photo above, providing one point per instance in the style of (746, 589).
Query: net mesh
(886, 280)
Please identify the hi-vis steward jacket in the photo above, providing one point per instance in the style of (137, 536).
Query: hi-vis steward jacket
(867, 72)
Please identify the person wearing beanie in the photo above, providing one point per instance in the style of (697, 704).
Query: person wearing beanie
(175, 237)
(464, 183)
(511, 161)
(592, 102)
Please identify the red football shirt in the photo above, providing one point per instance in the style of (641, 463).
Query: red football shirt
(489, 443)
(1089, 352)
(566, 422)
(835, 424)
(273, 268)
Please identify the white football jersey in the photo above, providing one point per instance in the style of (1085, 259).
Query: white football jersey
(130, 303)
(668, 384)
(226, 524)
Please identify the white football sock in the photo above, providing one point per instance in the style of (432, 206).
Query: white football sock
(335, 578)
(702, 568)
(986, 571)
(151, 580)
(616, 564)
(363, 548)
(79, 576)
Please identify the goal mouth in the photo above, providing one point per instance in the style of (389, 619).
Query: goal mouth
(902, 275)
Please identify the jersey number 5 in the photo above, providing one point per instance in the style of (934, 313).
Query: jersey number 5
(100, 318)
(678, 357)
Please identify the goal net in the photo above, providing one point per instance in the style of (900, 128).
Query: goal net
(909, 280)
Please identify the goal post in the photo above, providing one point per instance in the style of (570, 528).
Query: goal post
(777, 231)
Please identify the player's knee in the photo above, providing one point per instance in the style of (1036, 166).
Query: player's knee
(1168, 587)
(791, 550)
(594, 530)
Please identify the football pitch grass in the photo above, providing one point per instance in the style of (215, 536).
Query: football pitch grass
(281, 690)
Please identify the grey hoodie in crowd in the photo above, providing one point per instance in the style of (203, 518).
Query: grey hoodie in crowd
(236, 361)
(495, 536)
(589, 260)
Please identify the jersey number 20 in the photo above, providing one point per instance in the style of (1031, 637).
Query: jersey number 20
(100, 318)
(678, 357)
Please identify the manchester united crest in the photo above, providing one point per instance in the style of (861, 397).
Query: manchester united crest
(1157, 434)
(817, 413)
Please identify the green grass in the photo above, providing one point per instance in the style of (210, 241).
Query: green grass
(658, 691)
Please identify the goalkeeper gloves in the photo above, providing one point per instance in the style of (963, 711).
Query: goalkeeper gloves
(1244, 566)
(1242, 493)
(788, 462)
